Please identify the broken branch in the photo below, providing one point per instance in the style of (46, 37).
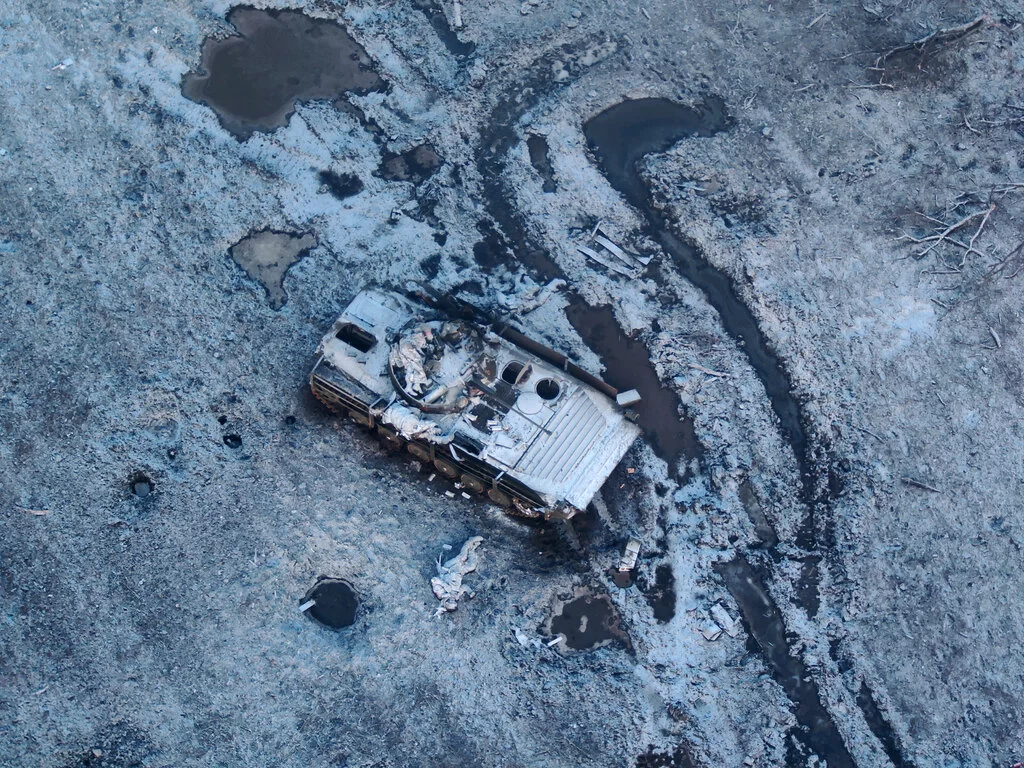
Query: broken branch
(708, 371)
(36, 512)
(918, 484)
(944, 236)
(947, 35)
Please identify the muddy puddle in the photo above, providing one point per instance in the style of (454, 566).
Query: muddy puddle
(537, 146)
(880, 727)
(619, 137)
(253, 79)
(439, 22)
(588, 622)
(416, 165)
(764, 623)
(332, 602)
(267, 256)
(340, 186)
(627, 366)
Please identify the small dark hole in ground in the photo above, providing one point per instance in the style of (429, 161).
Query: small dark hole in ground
(232, 440)
(141, 484)
(222, 420)
(335, 603)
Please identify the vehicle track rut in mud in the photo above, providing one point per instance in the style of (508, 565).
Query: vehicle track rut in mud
(619, 137)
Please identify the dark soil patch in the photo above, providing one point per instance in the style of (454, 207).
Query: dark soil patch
(416, 165)
(763, 622)
(341, 185)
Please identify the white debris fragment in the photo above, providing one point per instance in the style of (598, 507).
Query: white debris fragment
(629, 555)
(535, 298)
(306, 606)
(627, 398)
(408, 423)
(710, 633)
(447, 585)
(729, 625)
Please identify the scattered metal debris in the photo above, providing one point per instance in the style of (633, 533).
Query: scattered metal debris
(729, 625)
(620, 262)
(629, 556)
(447, 585)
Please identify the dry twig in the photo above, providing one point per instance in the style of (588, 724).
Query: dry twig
(938, 36)
(949, 229)
(918, 484)
(1013, 260)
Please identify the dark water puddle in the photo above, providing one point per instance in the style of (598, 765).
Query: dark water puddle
(141, 484)
(628, 366)
(253, 79)
(661, 595)
(416, 165)
(341, 185)
(266, 257)
(439, 22)
(880, 727)
(537, 146)
(588, 622)
(765, 625)
(619, 137)
(335, 602)
(763, 529)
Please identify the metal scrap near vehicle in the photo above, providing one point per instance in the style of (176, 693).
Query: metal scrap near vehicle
(447, 585)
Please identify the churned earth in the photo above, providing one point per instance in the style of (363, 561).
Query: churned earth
(818, 209)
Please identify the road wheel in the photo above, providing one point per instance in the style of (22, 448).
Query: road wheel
(446, 468)
(473, 484)
(393, 442)
(499, 497)
(333, 403)
(419, 451)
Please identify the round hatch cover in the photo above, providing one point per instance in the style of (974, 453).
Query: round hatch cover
(529, 403)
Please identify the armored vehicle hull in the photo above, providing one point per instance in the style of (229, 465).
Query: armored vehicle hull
(487, 407)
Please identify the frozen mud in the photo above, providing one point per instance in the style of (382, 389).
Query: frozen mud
(818, 292)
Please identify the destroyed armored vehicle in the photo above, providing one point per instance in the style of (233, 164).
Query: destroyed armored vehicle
(487, 407)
